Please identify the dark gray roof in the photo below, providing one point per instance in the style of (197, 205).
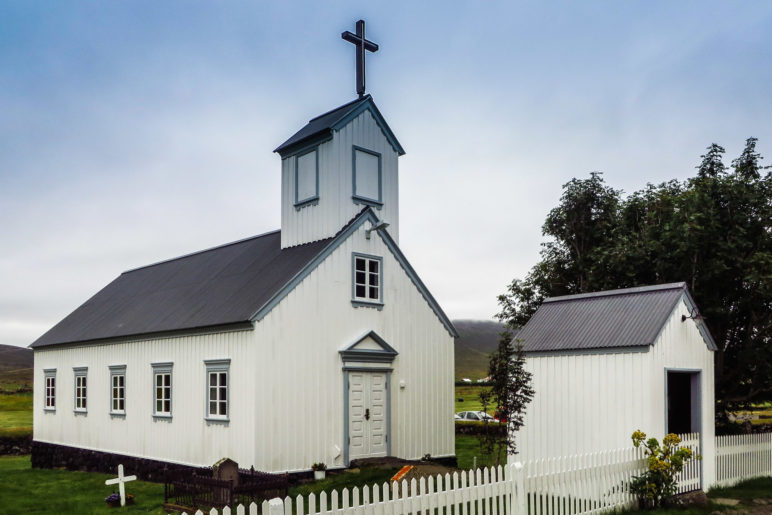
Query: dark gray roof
(220, 286)
(320, 128)
(226, 286)
(631, 317)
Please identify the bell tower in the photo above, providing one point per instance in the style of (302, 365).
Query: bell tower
(339, 163)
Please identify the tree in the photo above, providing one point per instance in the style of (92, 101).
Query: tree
(510, 393)
(712, 231)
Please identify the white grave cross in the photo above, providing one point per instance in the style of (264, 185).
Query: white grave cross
(120, 480)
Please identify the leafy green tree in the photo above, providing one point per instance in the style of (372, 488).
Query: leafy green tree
(509, 394)
(713, 231)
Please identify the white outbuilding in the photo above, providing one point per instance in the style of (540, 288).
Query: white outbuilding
(314, 343)
(608, 363)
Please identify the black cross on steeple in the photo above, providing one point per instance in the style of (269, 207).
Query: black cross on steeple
(362, 45)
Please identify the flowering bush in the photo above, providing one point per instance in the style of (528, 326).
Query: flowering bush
(656, 486)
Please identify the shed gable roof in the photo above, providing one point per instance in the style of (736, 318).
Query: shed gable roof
(631, 317)
(321, 128)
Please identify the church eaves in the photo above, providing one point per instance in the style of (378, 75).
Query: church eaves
(321, 128)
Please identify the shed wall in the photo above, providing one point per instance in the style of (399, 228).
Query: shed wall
(588, 402)
(336, 207)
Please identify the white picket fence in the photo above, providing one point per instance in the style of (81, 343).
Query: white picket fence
(590, 483)
(741, 457)
(690, 478)
(573, 485)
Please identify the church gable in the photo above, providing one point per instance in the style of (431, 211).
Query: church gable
(323, 127)
(366, 216)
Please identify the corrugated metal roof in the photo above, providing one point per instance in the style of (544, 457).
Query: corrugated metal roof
(320, 128)
(220, 286)
(321, 124)
(629, 317)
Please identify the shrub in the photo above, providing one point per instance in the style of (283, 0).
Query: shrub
(657, 486)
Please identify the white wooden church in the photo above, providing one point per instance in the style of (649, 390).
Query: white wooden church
(314, 343)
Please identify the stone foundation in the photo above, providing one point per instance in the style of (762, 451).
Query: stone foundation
(15, 445)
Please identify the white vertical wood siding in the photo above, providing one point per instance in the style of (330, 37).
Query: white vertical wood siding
(286, 391)
(336, 207)
(185, 438)
(591, 402)
(300, 379)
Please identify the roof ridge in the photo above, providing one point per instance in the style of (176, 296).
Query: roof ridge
(621, 291)
(355, 101)
(216, 247)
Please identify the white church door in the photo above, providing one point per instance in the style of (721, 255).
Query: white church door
(368, 414)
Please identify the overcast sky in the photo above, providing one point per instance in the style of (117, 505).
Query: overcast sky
(132, 132)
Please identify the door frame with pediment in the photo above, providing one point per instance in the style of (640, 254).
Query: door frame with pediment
(369, 353)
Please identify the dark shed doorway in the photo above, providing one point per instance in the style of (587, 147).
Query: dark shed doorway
(683, 402)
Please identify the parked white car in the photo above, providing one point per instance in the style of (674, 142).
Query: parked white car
(474, 415)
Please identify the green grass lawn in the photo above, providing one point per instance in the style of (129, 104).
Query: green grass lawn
(338, 481)
(467, 447)
(28, 490)
(15, 414)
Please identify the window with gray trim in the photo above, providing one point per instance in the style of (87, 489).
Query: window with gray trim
(81, 393)
(217, 394)
(118, 390)
(367, 278)
(306, 178)
(50, 389)
(162, 389)
(366, 168)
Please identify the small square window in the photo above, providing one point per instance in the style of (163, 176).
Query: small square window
(367, 287)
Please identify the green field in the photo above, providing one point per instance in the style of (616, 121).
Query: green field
(471, 396)
(15, 414)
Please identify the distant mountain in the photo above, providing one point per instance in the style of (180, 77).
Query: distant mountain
(477, 339)
(15, 367)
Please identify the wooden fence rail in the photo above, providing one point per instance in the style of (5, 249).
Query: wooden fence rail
(741, 457)
(572, 485)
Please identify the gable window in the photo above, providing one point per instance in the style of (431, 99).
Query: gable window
(50, 389)
(367, 280)
(217, 395)
(162, 389)
(118, 390)
(367, 177)
(81, 374)
(306, 179)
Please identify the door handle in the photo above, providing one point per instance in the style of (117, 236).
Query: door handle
(367, 414)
